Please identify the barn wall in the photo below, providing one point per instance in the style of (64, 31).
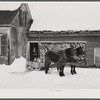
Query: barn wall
(92, 42)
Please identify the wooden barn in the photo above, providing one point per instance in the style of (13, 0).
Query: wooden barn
(13, 27)
(56, 40)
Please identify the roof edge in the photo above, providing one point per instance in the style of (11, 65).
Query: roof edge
(6, 25)
(15, 15)
(65, 33)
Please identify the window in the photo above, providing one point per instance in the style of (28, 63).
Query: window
(96, 55)
(22, 18)
(0, 45)
(3, 44)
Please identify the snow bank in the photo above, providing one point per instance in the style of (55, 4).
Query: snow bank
(3, 73)
(18, 65)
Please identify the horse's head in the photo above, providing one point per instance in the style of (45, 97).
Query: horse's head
(80, 51)
(71, 53)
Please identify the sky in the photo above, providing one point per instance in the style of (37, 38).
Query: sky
(57, 16)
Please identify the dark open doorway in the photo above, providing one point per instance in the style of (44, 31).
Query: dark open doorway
(33, 51)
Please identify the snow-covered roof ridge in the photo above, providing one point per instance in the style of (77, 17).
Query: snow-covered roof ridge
(66, 32)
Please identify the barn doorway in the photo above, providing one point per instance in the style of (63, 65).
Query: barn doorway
(34, 51)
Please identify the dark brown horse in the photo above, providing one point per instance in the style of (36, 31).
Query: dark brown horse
(80, 54)
(61, 58)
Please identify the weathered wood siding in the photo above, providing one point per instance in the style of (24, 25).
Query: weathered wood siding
(13, 44)
(18, 36)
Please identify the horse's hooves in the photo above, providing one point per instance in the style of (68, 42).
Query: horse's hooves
(75, 72)
(72, 73)
(62, 75)
(45, 72)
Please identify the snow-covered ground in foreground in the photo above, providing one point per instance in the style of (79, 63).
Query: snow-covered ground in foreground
(17, 77)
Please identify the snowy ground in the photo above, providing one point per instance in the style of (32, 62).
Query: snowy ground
(17, 77)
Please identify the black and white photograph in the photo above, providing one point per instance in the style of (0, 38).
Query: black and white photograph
(50, 45)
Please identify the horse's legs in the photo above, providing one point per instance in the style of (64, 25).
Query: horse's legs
(47, 63)
(74, 70)
(63, 70)
(58, 67)
(61, 73)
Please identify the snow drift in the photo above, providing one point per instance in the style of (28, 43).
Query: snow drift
(16, 76)
(19, 64)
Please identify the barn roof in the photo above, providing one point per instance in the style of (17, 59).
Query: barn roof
(7, 16)
(63, 33)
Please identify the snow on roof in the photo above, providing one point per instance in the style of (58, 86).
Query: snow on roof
(64, 33)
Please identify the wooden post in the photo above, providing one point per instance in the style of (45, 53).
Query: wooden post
(28, 54)
(8, 52)
(39, 50)
(85, 55)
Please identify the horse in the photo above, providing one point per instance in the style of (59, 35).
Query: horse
(61, 58)
(80, 54)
